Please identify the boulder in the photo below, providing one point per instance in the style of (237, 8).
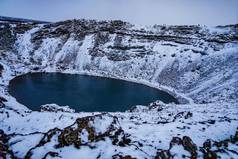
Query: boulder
(56, 108)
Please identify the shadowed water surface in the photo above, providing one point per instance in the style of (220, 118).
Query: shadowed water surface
(83, 93)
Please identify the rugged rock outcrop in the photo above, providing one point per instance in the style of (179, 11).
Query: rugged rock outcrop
(5, 150)
(1, 101)
(1, 69)
(84, 132)
(209, 150)
(55, 108)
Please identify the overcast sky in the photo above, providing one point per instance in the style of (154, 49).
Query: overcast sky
(146, 12)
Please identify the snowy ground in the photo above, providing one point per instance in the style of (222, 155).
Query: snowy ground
(198, 65)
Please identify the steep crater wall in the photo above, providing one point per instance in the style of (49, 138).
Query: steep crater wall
(197, 61)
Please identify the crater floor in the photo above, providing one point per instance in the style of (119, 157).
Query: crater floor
(83, 93)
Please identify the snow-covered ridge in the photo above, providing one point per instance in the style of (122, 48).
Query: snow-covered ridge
(197, 64)
(20, 20)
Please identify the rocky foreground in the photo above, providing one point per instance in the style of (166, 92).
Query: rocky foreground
(196, 64)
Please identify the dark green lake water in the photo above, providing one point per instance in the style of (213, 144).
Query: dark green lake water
(83, 93)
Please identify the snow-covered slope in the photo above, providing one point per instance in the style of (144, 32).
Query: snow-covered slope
(197, 64)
